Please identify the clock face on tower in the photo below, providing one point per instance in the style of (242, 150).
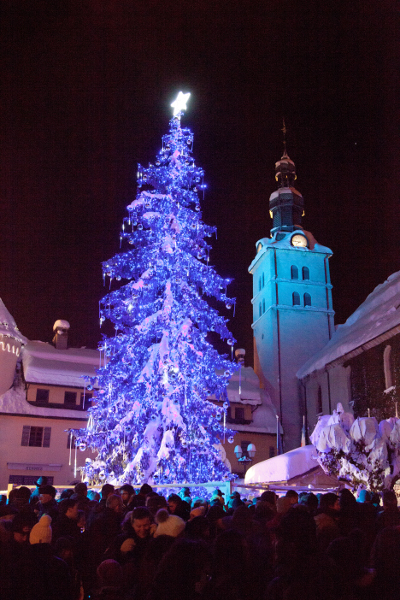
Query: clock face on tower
(299, 240)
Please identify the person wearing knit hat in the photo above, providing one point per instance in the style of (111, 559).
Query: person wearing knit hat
(168, 524)
(41, 532)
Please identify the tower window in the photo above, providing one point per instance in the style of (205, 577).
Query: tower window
(263, 280)
(259, 310)
(306, 273)
(296, 299)
(263, 306)
(387, 367)
(294, 272)
(259, 284)
(307, 299)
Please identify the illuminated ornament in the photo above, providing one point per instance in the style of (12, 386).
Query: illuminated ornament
(82, 446)
(179, 104)
(230, 440)
(230, 342)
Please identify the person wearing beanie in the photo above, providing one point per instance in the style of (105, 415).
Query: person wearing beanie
(43, 575)
(168, 524)
(47, 503)
(41, 532)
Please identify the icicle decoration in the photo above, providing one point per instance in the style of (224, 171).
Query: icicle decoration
(75, 457)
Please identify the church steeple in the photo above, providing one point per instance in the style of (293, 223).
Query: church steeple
(286, 204)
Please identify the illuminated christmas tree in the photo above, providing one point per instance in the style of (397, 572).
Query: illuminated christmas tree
(151, 420)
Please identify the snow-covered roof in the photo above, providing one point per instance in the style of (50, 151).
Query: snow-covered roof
(378, 314)
(264, 415)
(8, 326)
(14, 402)
(283, 467)
(43, 363)
(250, 392)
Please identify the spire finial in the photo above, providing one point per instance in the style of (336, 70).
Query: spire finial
(284, 130)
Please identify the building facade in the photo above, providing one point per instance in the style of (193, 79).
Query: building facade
(46, 399)
(360, 366)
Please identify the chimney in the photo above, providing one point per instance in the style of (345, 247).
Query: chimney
(240, 353)
(60, 339)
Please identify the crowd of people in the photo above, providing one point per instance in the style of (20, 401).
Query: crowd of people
(119, 544)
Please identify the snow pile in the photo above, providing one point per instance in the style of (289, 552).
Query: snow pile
(376, 315)
(283, 467)
(42, 363)
(360, 451)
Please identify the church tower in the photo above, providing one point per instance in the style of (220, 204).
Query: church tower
(292, 301)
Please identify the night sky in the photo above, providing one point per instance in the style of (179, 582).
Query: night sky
(85, 95)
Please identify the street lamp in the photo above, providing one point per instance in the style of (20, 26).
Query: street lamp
(246, 460)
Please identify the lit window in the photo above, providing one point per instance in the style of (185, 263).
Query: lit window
(307, 299)
(387, 367)
(296, 299)
(306, 273)
(294, 272)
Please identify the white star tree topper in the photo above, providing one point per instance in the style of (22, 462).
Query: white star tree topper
(180, 103)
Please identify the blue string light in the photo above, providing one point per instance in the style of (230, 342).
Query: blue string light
(151, 420)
